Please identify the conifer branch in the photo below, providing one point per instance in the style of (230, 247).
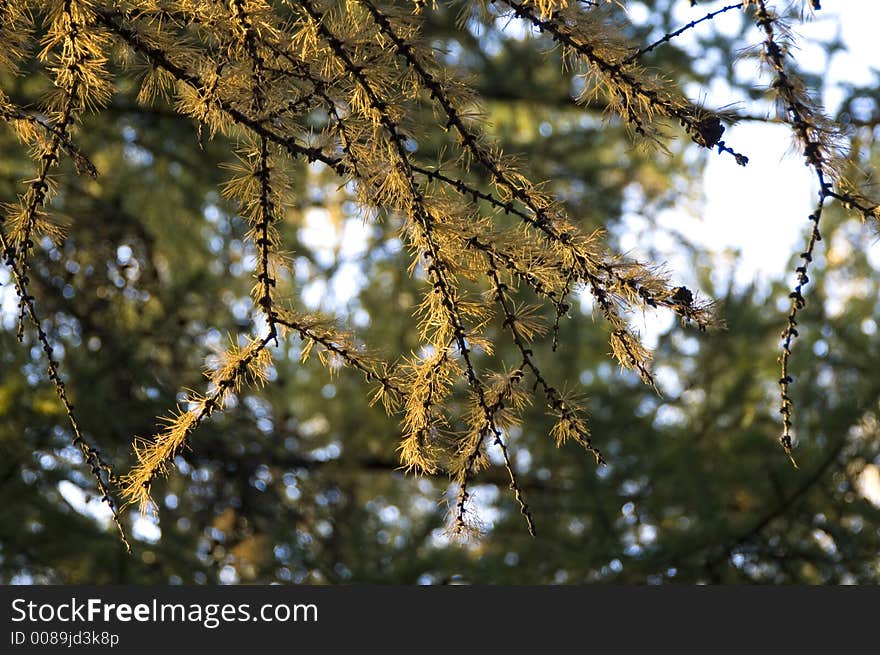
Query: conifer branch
(27, 126)
(701, 314)
(637, 97)
(816, 137)
(625, 346)
(342, 345)
(93, 458)
(161, 58)
(263, 218)
(155, 456)
(636, 282)
(437, 266)
(569, 424)
(669, 36)
(81, 82)
(560, 233)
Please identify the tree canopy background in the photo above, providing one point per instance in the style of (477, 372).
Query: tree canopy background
(149, 236)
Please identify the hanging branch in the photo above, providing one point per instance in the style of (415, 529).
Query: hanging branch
(522, 328)
(155, 456)
(438, 268)
(816, 137)
(96, 463)
(561, 234)
(637, 98)
(81, 82)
